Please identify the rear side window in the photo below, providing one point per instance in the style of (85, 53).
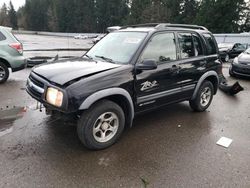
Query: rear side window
(2, 37)
(186, 45)
(197, 45)
(211, 46)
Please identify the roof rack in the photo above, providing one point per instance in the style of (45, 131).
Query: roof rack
(165, 25)
(181, 26)
(141, 25)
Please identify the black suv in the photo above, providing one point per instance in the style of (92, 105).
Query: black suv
(132, 70)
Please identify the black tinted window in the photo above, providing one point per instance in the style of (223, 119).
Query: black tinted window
(197, 45)
(2, 37)
(161, 47)
(211, 46)
(186, 45)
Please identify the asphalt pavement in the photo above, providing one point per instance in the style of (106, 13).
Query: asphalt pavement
(170, 147)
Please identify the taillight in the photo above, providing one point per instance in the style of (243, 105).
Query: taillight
(17, 46)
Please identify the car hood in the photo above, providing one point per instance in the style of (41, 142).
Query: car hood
(61, 72)
(244, 57)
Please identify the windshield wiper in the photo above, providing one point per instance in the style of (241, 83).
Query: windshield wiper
(106, 58)
(89, 57)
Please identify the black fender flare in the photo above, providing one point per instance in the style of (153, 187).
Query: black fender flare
(201, 80)
(106, 93)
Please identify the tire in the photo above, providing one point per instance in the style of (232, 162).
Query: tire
(227, 58)
(95, 129)
(200, 104)
(4, 73)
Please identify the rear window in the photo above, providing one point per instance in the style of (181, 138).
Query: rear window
(211, 45)
(2, 37)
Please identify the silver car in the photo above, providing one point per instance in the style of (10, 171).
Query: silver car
(11, 54)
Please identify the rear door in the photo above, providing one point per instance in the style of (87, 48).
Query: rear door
(192, 61)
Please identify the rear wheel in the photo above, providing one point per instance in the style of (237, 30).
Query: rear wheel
(4, 73)
(101, 125)
(203, 98)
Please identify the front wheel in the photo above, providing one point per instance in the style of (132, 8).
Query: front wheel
(203, 98)
(101, 126)
(4, 73)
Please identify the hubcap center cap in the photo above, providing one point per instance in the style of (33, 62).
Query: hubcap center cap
(105, 126)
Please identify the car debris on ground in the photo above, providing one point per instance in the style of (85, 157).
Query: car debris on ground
(230, 89)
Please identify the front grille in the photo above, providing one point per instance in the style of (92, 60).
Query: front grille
(37, 82)
(34, 93)
(35, 87)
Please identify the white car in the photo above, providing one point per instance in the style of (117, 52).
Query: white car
(81, 36)
(97, 39)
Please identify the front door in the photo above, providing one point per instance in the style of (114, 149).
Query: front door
(158, 87)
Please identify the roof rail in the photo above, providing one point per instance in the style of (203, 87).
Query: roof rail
(141, 25)
(164, 25)
(181, 26)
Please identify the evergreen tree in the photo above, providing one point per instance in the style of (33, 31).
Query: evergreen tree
(97, 15)
(12, 16)
(36, 14)
(188, 11)
(159, 11)
(21, 20)
(4, 19)
(137, 10)
(85, 16)
(221, 16)
(110, 13)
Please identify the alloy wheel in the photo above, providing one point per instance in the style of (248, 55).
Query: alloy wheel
(205, 96)
(2, 73)
(105, 127)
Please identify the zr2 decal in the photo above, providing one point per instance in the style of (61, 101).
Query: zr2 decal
(148, 85)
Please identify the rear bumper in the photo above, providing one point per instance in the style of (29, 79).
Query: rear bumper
(22, 66)
(17, 63)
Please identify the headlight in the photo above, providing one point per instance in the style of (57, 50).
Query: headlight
(54, 97)
(235, 60)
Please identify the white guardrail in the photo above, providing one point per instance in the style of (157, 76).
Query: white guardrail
(230, 37)
(220, 38)
(58, 34)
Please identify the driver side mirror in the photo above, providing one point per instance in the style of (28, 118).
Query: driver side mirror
(147, 64)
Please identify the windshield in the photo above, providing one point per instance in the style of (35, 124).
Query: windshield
(247, 51)
(225, 45)
(118, 47)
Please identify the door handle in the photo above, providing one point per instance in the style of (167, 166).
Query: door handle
(176, 67)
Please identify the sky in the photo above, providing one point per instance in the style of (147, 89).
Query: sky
(16, 3)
